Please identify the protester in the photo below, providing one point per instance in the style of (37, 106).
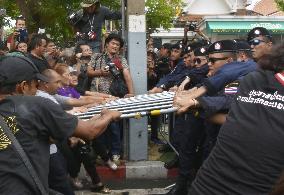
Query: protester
(33, 120)
(37, 48)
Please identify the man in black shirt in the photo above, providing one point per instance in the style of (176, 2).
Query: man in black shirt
(89, 27)
(33, 120)
(248, 156)
(37, 49)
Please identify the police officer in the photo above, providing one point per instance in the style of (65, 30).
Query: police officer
(261, 42)
(163, 63)
(176, 74)
(220, 54)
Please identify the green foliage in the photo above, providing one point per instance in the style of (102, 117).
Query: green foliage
(52, 14)
(280, 4)
(160, 13)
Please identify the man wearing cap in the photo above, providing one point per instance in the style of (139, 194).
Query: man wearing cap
(33, 120)
(89, 27)
(176, 74)
(199, 70)
(260, 41)
(163, 63)
(196, 128)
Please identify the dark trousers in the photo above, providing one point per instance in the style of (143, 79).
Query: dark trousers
(177, 132)
(116, 137)
(58, 176)
(190, 148)
(75, 158)
(88, 162)
(155, 124)
(212, 131)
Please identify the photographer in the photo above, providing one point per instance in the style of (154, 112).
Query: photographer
(20, 33)
(88, 22)
(110, 74)
(105, 67)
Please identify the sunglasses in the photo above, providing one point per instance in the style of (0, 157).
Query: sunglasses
(213, 60)
(197, 60)
(255, 42)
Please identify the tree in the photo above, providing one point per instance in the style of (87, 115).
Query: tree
(280, 4)
(52, 14)
(160, 13)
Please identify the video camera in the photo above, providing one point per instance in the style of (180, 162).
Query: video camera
(75, 17)
(191, 26)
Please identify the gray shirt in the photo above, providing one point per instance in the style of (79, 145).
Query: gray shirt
(95, 21)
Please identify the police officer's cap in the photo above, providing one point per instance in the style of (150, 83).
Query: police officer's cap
(258, 31)
(188, 49)
(243, 45)
(178, 45)
(167, 46)
(201, 51)
(223, 46)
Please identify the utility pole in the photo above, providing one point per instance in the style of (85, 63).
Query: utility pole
(2, 14)
(136, 47)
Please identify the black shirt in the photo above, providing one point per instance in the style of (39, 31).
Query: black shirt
(96, 20)
(249, 154)
(41, 64)
(33, 120)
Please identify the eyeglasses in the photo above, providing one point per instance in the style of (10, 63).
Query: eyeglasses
(197, 60)
(213, 60)
(256, 42)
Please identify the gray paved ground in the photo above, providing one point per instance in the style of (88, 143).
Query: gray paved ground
(134, 187)
(128, 192)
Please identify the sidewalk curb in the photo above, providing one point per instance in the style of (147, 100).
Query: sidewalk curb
(137, 170)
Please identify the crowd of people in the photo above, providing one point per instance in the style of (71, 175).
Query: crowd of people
(227, 132)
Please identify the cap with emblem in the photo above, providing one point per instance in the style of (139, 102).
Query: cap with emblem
(178, 45)
(223, 46)
(88, 3)
(201, 51)
(16, 69)
(167, 46)
(243, 45)
(258, 31)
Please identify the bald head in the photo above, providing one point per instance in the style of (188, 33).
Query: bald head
(50, 74)
(55, 82)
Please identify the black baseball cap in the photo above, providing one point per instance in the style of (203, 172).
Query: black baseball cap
(223, 46)
(15, 69)
(258, 31)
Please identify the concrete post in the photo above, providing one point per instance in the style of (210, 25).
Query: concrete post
(136, 35)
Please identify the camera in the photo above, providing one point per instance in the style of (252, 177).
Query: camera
(84, 148)
(113, 70)
(191, 27)
(23, 35)
(75, 17)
